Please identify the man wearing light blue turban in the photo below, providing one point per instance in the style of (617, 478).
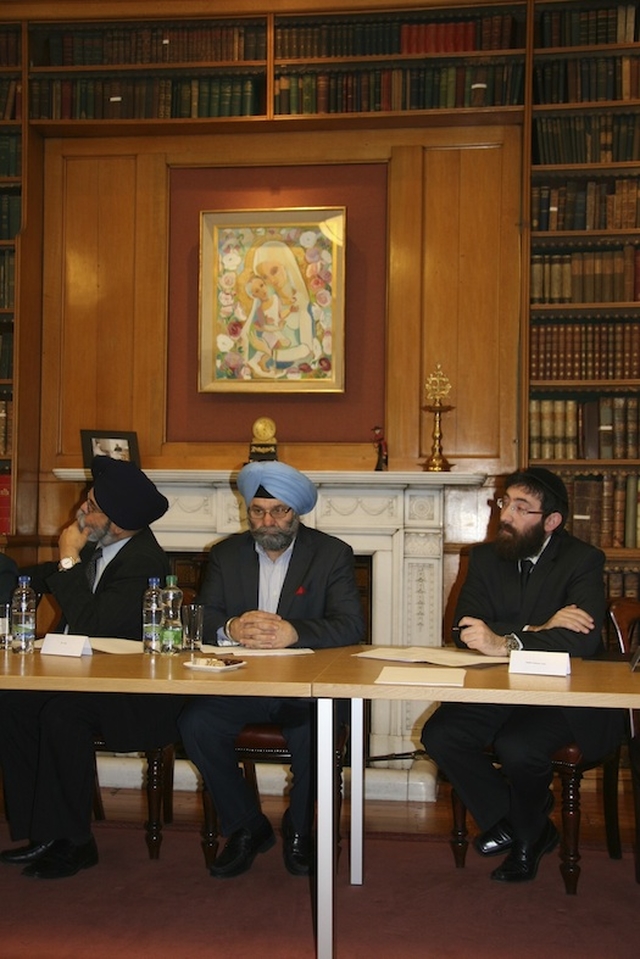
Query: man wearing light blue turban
(278, 584)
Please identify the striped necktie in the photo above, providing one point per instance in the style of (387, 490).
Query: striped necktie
(92, 566)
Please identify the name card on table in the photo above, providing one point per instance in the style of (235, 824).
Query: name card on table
(539, 662)
(66, 644)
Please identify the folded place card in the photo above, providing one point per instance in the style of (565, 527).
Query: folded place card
(539, 662)
(66, 644)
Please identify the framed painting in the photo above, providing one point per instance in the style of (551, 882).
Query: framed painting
(118, 445)
(271, 301)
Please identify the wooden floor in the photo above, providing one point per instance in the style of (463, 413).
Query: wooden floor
(395, 817)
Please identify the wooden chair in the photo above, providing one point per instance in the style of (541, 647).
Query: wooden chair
(569, 764)
(259, 743)
(625, 617)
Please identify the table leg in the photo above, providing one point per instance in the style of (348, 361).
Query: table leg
(326, 845)
(357, 791)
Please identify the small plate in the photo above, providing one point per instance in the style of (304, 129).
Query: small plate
(216, 664)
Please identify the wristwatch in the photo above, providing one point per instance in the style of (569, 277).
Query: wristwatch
(512, 642)
(67, 562)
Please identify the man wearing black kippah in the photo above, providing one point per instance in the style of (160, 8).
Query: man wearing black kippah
(106, 557)
(533, 587)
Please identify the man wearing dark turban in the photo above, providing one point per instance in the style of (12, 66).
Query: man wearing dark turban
(106, 557)
(278, 584)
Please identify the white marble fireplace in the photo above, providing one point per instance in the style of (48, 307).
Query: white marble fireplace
(397, 518)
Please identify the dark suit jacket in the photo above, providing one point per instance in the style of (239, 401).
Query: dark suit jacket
(8, 578)
(115, 609)
(319, 595)
(568, 571)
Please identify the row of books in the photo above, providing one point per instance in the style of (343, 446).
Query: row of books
(10, 46)
(604, 509)
(601, 428)
(586, 79)
(6, 354)
(10, 99)
(6, 425)
(7, 278)
(611, 203)
(584, 26)
(586, 276)
(10, 215)
(10, 154)
(584, 351)
(158, 97)
(399, 88)
(389, 36)
(5, 502)
(161, 43)
(587, 138)
(621, 581)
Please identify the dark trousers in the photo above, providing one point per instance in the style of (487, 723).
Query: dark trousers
(209, 727)
(522, 737)
(47, 753)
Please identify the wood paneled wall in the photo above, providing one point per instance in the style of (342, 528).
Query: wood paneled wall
(452, 294)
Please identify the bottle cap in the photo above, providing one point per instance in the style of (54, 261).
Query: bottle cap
(172, 580)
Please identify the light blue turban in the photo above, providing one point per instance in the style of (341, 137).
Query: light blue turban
(283, 482)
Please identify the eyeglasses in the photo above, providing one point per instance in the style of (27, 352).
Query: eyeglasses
(503, 502)
(92, 506)
(277, 512)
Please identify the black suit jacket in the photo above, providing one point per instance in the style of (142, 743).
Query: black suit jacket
(319, 595)
(568, 571)
(115, 609)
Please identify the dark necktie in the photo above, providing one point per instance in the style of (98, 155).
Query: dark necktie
(526, 565)
(92, 566)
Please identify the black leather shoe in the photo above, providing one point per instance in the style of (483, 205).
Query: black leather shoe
(241, 848)
(62, 859)
(521, 865)
(494, 841)
(296, 849)
(25, 854)
(499, 838)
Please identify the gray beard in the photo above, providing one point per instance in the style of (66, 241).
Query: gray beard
(276, 540)
(103, 535)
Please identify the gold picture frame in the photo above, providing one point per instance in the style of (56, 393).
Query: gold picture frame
(271, 301)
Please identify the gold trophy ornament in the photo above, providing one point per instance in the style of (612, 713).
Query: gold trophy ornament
(437, 388)
(264, 445)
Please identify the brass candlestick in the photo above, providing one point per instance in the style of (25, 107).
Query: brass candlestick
(437, 387)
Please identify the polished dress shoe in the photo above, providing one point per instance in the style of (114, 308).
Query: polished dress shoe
(241, 848)
(296, 849)
(494, 841)
(25, 854)
(499, 838)
(63, 858)
(521, 865)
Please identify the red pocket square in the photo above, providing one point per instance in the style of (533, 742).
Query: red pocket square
(300, 591)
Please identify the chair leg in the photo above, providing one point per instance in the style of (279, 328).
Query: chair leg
(209, 828)
(458, 841)
(610, 800)
(98, 807)
(634, 756)
(153, 826)
(168, 765)
(569, 854)
(251, 777)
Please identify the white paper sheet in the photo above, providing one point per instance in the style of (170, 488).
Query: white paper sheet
(421, 676)
(438, 655)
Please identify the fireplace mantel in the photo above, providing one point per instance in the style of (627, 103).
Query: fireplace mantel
(397, 518)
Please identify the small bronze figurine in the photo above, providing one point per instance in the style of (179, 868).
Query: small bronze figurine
(380, 444)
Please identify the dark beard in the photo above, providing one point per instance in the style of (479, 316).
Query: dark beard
(512, 546)
(276, 540)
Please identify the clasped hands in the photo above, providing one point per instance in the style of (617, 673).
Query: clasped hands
(475, 633)
(257, 629)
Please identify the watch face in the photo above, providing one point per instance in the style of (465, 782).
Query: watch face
(67, 562)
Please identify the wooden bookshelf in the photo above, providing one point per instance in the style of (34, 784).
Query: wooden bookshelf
(582, 349)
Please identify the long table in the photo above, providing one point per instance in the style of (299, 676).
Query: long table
(327, 675)
(591, 683)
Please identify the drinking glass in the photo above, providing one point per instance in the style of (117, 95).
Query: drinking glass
(192, 627)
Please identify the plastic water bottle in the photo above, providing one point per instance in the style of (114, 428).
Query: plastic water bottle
(152, 616)
(171, 630)
(23, 616)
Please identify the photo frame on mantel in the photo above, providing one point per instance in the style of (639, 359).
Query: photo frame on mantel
(117, 444)
(271, 301)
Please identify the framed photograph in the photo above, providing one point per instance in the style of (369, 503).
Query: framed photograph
(117, 445)
(271, 301)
